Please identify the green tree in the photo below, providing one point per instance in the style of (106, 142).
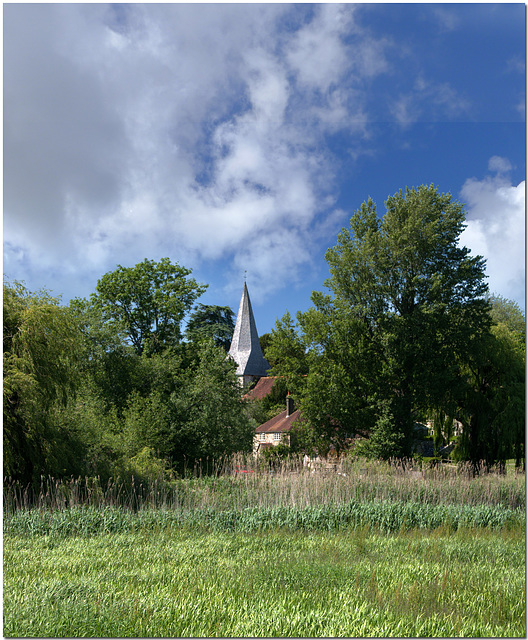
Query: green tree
(41, 373)
(148, 302)
(287, 352)
(509, 313)
(209, 418)
(212, 321)
(492, 407)
(337, 399)
(265, 341)
(408, 306)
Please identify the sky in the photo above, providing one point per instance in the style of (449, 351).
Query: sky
(238, 139)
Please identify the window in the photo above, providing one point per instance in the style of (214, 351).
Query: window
(276, 436)
(262, 437)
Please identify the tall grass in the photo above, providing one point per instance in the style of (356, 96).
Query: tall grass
(287, 485)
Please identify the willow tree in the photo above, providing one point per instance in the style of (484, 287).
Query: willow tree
(41, 352)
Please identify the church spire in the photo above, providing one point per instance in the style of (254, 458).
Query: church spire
(245, 346)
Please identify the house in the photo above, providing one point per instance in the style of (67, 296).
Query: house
(276, 430)
(245, 347)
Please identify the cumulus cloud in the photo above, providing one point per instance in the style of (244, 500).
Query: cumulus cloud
(496, 228)
(151, 130)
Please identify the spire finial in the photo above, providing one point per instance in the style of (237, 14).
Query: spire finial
(245, 275)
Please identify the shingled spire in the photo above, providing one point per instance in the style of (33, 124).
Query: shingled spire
(245, 346)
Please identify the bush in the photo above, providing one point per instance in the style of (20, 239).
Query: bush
(277, 453)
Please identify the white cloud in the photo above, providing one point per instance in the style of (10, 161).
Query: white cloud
(150, 130)
(318, 56)
(431, 100)
(499, 164)
(496, 228)
(446, 19)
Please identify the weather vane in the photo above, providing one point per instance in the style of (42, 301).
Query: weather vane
(245, 275)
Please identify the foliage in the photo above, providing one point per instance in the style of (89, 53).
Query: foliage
(385, 516)
(493, 408)
(211, 321)
(405, 334)
(212, 485)
(508, 312)
(106, 387)
(186, 405)
(208, 415)
(41, 373)
(148, 302)
(264, 340)
(260, 410)
(146, 466)
(276, 453)
(287, 352)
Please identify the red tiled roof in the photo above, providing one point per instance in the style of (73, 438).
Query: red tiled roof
(261, 389)
(279, 423)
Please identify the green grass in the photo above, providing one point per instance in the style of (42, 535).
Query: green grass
(368, 550)
(191, 583)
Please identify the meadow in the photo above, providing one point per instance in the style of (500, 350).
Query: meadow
(375, 552)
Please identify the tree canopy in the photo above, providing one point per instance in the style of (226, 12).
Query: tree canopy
(41, 372)
(107, 387)
(391, 344)
(405, 332)
(211, 321)
(148, 302)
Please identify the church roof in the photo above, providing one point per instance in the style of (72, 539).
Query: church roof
(262, 389)
(245, 346)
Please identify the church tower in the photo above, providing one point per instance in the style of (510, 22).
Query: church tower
(245, 346)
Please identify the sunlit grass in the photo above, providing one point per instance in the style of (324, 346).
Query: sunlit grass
(363, 549)
(192, 584)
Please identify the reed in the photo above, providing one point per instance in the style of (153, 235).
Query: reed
(359, 550)
(242, 482)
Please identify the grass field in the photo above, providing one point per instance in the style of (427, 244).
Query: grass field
(191, 584)
(373, 553)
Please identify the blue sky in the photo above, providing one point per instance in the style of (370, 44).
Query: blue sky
(242, 137)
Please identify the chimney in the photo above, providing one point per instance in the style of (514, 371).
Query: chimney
(289, 405)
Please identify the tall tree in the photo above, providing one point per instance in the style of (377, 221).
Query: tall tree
(213, 422)
(287, 352)
(190, 413)
(211, 321)
(148, 302)
(408, 304)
